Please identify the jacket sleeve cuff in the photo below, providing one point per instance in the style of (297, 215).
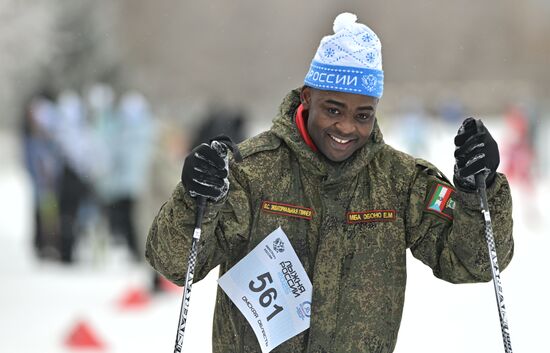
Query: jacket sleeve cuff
(471, 199)
(212, 208)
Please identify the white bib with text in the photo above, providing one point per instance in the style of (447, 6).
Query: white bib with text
(272, 290)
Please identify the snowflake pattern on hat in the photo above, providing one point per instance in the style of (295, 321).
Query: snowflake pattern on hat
(370, 57)
(367, 37)
(355, 45)
(329, 52)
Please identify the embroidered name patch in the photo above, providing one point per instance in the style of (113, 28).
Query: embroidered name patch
(371, 216)
(287, 210)
(440, 201)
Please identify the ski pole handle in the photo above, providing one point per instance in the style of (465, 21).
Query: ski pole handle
(201, 206)
(482, 190)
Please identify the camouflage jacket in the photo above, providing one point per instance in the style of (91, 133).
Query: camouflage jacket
(359, 217)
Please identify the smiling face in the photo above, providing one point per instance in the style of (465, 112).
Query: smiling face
(339, 123)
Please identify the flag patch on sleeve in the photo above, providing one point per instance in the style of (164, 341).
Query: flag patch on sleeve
(440, 201)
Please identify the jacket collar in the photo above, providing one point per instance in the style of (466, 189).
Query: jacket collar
(314, 162)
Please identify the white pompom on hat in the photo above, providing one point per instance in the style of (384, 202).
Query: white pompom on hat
(350, 60)
(343, 20)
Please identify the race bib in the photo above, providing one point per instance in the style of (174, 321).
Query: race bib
(272, 290)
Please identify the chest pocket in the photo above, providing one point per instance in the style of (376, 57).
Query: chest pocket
(271, 212)
(379, 230)
(374, 216)
(375, 228)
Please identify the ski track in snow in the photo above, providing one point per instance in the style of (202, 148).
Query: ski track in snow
(40, 302)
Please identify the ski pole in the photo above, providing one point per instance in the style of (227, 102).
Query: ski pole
(224, 143)
(201, 205)
(482, 190)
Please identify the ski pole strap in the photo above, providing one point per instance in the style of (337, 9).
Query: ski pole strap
(226, 140)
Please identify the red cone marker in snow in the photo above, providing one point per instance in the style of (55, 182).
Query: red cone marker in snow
(134, 298)
(83, 337)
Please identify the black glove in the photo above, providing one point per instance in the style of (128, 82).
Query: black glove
(476, 152)
(205, 171)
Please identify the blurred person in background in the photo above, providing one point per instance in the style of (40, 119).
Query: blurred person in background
(520, 160)
(123, 135)
(77, 149)
(105, 126)
(43, 163)
(131, 160)
(518, 152)
(325, 153)
(65, 125)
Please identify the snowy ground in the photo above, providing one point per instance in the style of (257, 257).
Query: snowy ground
(41, 302)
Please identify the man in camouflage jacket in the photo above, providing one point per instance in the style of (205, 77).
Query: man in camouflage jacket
(359, 215)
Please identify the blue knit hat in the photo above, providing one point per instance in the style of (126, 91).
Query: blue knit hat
(350, 60)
